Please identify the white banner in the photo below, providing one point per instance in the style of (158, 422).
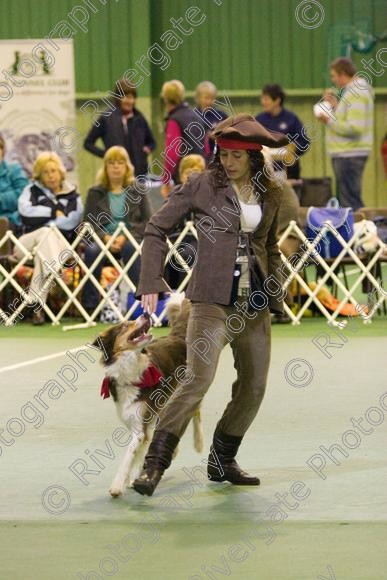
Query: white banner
(37, 102)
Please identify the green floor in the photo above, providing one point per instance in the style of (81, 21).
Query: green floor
(203, 530)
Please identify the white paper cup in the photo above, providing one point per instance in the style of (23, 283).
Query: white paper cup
(322, 109)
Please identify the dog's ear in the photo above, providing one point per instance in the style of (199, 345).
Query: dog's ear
(96, 341)
(107, 340)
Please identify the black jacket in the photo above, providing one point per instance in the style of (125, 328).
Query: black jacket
(137, 216)
(111, 131)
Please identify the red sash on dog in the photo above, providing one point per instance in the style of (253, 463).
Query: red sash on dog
(150, 378)
(105, 391)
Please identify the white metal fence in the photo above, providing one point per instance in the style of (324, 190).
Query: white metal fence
(363, 269)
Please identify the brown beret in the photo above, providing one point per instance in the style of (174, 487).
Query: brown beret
(245, 129)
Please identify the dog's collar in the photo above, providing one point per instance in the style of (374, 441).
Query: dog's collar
(150, 379)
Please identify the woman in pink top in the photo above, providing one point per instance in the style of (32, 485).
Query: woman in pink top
(184, 132)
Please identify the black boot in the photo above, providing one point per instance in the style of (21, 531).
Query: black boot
(157, 460)
(221, 461)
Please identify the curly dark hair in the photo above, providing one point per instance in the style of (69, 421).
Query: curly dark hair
(263, 183)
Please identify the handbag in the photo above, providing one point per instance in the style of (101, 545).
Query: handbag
(341, 218)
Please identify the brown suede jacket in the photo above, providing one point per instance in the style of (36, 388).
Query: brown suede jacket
(217, 223)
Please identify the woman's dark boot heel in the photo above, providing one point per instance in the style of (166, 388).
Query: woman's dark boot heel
(157, 460)
(222, 465)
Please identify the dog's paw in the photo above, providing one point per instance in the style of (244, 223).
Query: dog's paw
(115, 491)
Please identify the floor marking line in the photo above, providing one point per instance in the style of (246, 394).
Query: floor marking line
(41, 359)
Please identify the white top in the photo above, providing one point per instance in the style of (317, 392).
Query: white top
(251, 215)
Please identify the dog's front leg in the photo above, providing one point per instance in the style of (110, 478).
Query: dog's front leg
(118, 484)
(139, 457)
(138, 462)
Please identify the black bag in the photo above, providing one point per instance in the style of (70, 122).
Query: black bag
(381, 224)
(315, 191)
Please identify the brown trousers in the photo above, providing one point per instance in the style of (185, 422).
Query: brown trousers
(210, 328)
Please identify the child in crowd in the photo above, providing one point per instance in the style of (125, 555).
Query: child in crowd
(175, 271)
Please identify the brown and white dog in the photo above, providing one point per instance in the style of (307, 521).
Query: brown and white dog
(140, 374)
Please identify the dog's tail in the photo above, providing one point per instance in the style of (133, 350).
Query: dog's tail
(198, 431)
(178, 309)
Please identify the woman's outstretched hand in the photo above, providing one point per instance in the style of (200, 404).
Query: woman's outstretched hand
(149, 302)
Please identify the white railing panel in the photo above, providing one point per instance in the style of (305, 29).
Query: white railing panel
(308, 254)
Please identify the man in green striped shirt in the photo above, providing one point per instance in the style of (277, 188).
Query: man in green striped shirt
(349, 135)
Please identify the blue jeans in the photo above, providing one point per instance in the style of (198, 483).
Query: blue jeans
(90, 294)
(349, 173)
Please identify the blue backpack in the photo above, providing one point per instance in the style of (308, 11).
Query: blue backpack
(341, 218)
